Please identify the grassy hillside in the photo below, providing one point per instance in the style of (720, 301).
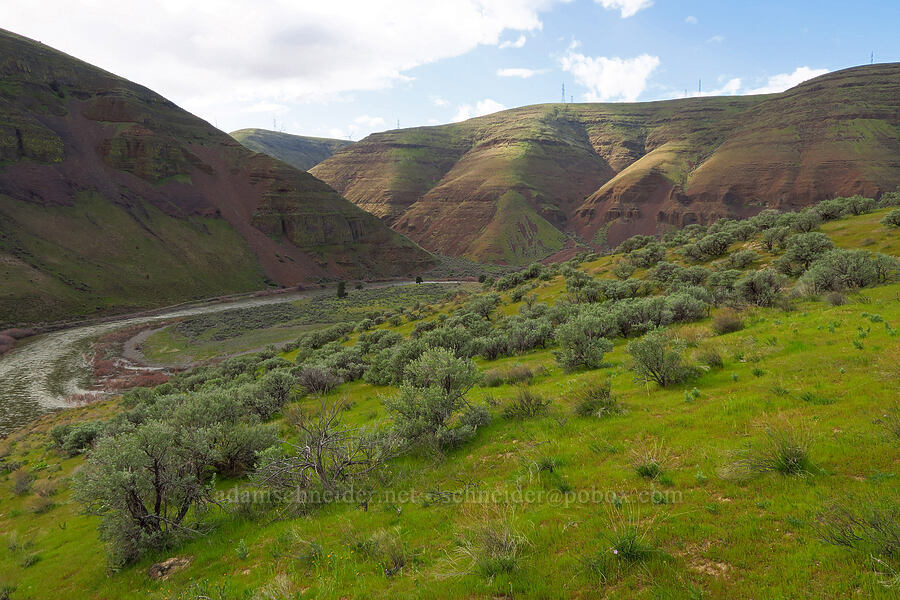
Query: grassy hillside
(114, 198)
(735, 482)
(623, 169)
(300, 151)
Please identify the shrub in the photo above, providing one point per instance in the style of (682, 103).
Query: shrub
(711, 358)
(889, 199)
(829, 210)
(741, 259)
(327, 454)
(525, 404)
(891, 422)
(582, 342)
(647, 256)
(801, 250)
(839, 269)
(624, 269)
(656, 358)
(858, 205)
(21, 482)
(785, 450)
(594, 399)
(316, 379)
(714, 244)
(892, 218)
(806, 221)
(433, 394)
(760, 287)
(387, 366)
(685, 307)
(634, 242)
(144, 483)
(775, 237)
(727, 321)
(869, 526)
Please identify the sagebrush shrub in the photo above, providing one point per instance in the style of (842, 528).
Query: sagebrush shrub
(658, 359)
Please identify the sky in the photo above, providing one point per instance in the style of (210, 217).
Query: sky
(347, 68)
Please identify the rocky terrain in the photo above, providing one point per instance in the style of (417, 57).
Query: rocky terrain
(299, 151)
(529, 182)
(112, 197)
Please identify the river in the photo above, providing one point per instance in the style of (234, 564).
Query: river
(41, 371)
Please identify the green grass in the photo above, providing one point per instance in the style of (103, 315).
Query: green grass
(683, 532)
(64, 261)
(202, 337)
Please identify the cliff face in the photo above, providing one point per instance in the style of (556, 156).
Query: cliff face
(602, 172)
(112, 197)
(301, 152)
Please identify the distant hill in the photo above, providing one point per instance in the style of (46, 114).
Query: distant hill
(112, 197)
(528, 182)
(296, 150)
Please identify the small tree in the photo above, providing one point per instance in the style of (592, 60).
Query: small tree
(419, 279)
(657, 359)
(342, 289)
(144, 483)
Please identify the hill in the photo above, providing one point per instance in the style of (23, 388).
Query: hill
(112, 197)
(519, 184)
(535, 455)
(299, 151)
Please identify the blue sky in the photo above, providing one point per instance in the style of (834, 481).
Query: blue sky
(345, 68)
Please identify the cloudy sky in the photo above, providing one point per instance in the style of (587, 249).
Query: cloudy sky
(345, 68)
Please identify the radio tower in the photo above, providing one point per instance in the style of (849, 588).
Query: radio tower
(563, 93)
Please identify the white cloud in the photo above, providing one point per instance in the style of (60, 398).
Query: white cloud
(519, 72)
(716, 39)
(482, 107)
(439, 101)
(627, 7)
(610, 78)
(784, 81)
(215, 57)
(690, 20)
(266, 107)
(732, 87)
(369, 122)
(516, 44)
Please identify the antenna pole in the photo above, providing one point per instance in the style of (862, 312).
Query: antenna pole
(563, 93)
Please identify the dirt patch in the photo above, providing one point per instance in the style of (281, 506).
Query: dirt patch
(162, 570)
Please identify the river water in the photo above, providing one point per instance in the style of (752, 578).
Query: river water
(41, 371)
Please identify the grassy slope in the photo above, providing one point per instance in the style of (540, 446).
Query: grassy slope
(171, 197)
(299, 151)
(722, 539)
(63, 261)
(172, 345)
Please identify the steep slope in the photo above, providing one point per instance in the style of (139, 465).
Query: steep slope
(298, 151)
(602, 172)
(112, 197)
